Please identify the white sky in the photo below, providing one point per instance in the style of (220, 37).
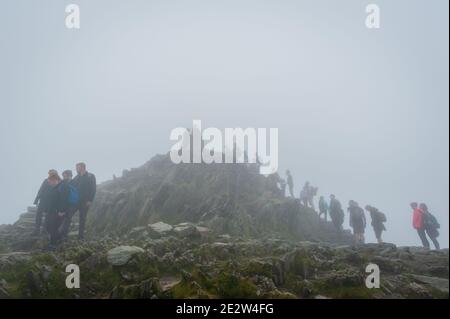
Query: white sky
(361, 113)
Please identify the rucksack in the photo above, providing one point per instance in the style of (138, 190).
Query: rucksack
(431, 221)
(73, 195)
(382, 217)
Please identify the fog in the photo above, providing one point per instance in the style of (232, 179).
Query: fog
(361, 113)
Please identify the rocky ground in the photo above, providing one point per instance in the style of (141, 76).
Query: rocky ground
(208, 231)
(190, 261)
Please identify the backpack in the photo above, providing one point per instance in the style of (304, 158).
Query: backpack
(431, 221)
(382, 217)
(73, 195)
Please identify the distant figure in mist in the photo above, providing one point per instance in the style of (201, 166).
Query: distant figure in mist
(336, 213)
(307, 195)
(290, 183)
(378, 220)
(323, 207)
(357, 221)
(44, 199)
(425, 224)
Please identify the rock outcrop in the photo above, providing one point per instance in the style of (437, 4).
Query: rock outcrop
(228, 199)
(209, 231)
(173, 266)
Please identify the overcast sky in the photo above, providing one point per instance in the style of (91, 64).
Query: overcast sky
(361, 113)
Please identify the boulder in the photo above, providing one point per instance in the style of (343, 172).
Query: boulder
(10, 260)
(160, 229)
(185, 230)
(121, 255)
(3, 289)
(440, 284)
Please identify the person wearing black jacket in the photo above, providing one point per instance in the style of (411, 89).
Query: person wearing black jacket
(336, 212)
(86, 185)
(52, 219)
(44, 199)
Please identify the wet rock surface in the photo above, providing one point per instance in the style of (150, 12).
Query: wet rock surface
(194, 267)
(214, 231)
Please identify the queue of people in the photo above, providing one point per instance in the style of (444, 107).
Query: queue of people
(59, 199)
(424, 222)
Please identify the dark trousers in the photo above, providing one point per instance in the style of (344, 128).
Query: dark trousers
(423, 238)
(83, 210)
(67, 221)
(53, 224)
(433, 239)
(83, 214)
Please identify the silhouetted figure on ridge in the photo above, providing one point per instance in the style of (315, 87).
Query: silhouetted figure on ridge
(357, 221)
(430, 225)
(378, 220)
(290, 183)
(336, 212)
(323, 207)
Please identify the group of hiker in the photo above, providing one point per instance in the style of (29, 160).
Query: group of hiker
(59, 199)
(425, 224)
(423, 221)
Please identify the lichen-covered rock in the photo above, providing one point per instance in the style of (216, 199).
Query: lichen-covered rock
(121, 255)
(160, 229)
(440, 284)
(235, 236)
(173, 267)
(185, 230)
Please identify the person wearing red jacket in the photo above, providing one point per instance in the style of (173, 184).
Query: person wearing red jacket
(418, 224)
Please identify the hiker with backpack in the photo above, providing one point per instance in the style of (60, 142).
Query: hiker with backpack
(323, 207)
(336, 213)
(430, 225)
(418, 224)
(44, 200)
(378, 220)
(357, 221)
(67, 203)
(86, 185)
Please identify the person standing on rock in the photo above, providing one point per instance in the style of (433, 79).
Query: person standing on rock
(336, 213)
(323, 207)
(67, 203)
(86, 185)
(378, 220)
(290, 182)
(418, 224)
(357, 221)
(53, 221)
(304, 194)
(431, 225)
(43, 199)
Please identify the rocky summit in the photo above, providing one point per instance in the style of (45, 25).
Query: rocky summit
(209, 231)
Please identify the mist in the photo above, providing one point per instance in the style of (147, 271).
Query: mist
(361, 113)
